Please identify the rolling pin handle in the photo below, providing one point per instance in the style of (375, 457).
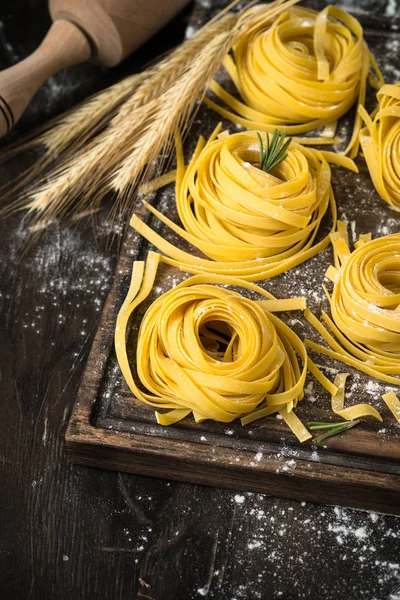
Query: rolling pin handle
(64, 45)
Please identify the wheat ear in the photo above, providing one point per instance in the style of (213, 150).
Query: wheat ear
(172, 113)
(81, 176)
(116, 136)
(72, 130)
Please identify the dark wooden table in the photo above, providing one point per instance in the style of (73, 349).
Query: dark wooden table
(68, 532)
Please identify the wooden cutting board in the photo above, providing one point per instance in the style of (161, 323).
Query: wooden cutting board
(110, 429)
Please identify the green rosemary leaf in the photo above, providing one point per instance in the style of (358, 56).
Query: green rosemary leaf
(266, 152)
(335, 431)
(261, 148)
(312, 425)
(274, 151)
(286, 144)
(271, 152)
(276, 162)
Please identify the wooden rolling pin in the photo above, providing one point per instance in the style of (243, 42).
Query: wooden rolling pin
(105, 31)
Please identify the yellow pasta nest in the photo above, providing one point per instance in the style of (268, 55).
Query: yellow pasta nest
(249, 223)
(303, 71)
(209, 351)
(365, 306)
(380, 142)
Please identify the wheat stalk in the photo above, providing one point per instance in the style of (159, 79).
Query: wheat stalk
(172, 112)
(115, 136)
(87, 172)
(72, 130)
(86, 118)
(80, 176)
(131, 92)
(100, 167)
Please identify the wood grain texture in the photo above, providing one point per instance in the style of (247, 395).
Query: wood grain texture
(116, 27)
(70, 532)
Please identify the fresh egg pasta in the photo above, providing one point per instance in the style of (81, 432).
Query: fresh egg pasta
(380, 142)
(211, 352)
(247, 222)
(300, 72)
(364, 331)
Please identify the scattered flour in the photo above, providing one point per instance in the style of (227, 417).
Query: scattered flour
(391, 8)
(239, 499)
(204, 590)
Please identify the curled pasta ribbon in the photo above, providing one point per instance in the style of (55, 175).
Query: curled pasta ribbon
(209, 351)
(393, 403)
(303, 71)
(249, 223)
(364, 331)
(351, 412)
(380, 142)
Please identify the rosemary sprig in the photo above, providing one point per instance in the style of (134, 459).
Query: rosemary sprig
(333, 428)
(273, 152)
(313, 425)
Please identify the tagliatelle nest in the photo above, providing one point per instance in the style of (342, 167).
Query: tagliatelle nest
(249, 223)
(304, 71)
(209, 351)
(364, 331)
(380, 142)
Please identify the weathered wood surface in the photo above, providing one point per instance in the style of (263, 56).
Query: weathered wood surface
(70, 532)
